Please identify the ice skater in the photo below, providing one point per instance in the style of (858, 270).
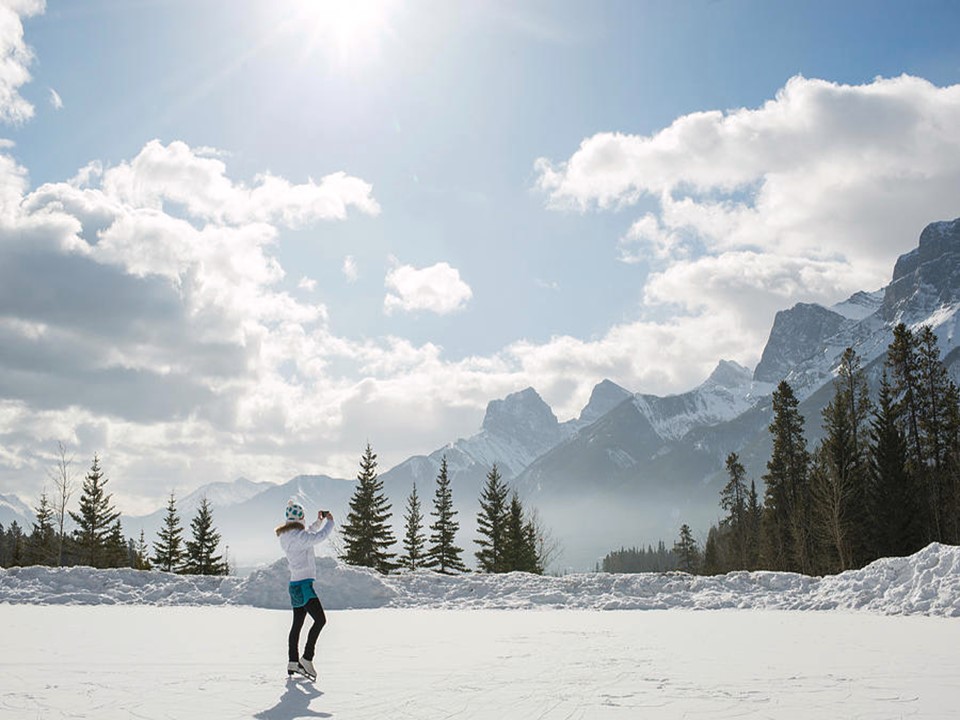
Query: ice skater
(297, 542)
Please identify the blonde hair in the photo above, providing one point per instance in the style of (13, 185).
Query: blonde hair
(288, 526)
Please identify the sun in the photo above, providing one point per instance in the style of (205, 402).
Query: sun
(346, 32)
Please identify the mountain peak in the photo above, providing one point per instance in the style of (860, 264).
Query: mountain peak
(796, 333)
(729, 374)
(927, 276)
(605, 397)
(520, 412)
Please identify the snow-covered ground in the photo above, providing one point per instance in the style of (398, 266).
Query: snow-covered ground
(79, 643)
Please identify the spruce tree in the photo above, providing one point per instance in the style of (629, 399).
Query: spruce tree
(838, 476)
(520, 551)
(141, 553)
(786, 528)
(688, 555)
(754, 525)
(201, 557)
(168, 550)
(444, 554)
(367, 535)
(95, 519)
(42, 544)
(413, 538)
(892, 499)
(116, 551)
(733, 499)
(491, 523)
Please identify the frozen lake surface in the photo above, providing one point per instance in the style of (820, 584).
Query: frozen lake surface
(161, 663)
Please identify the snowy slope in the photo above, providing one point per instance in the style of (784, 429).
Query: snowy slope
(13, 509)
(926, 583)
(728, 392)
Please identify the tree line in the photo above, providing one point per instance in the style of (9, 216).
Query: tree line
(509, 537)
(884, 480)
(97, 539)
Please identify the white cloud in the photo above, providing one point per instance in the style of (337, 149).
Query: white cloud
(179, 176)
(811, 196)
(55, 100)
(437, 289)
(308, 284)
(15, 58)
(350, 270)
(822, 169)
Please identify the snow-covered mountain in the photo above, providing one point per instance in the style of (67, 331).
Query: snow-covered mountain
(631, 468)
(516, 430)
(729, 391)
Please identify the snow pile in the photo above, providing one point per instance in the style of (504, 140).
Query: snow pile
(926, 583)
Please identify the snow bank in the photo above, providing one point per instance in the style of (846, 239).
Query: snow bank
(926, 583)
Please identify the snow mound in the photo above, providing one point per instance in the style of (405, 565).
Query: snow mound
(926, 583)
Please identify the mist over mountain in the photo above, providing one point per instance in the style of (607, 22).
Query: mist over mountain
(632, 467)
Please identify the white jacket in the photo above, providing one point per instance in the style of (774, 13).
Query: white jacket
(298, 545)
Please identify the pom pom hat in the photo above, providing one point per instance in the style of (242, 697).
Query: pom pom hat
(294, 511)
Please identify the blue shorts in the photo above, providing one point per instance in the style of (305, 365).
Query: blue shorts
(301, 592)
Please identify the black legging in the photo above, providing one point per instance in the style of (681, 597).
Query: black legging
(315, 609)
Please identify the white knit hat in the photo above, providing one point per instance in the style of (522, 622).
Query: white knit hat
(294, 511)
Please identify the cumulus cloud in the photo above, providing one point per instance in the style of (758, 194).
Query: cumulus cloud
(55, 100)
(15, 58)
(196, 181)
(437, 289)
(811, 196)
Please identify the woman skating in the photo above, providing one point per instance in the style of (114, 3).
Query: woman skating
(297, 542)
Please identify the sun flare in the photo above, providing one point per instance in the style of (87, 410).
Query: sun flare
(347, 32)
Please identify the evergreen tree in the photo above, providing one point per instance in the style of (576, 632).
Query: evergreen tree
(519, 548)
(444, 554)
(491, 523)
(13, 546)
(42, 544)
(96, 517)
(733, 499)
(168, 550)
(413, 538)
(717, 550)
(201, 557)
(141, 559)
(786, 536)
(116, 550)
(892, 499)
(754, 524)
(367, 535)
(839, 473)
(686, 550)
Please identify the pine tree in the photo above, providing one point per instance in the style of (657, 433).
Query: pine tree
(892, 499)
(201, 557)
(491, 523)
(42, 544)
(733, 499)
(413, 538)
(444, 554)
(96, 517)
(141, 560)
(519, 551)
(367, 535)
(688, 555)
(786, 535)
(838, 477)
(168, 550)
(116, 550)
(754, 525)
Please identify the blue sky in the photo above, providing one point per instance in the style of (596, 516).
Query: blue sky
(308, 222)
